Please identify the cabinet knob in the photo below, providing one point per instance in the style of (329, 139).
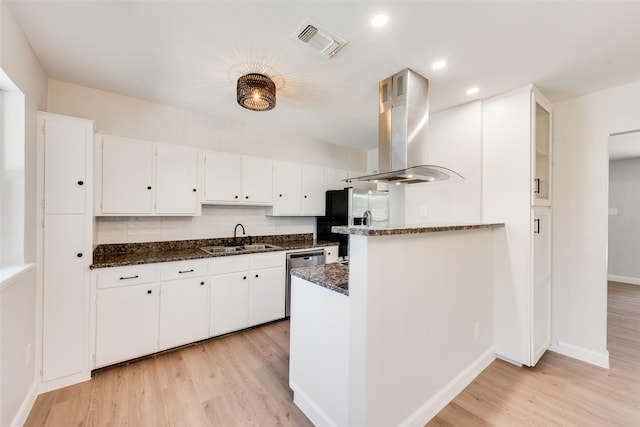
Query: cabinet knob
(149, 188)
(246, 197)
(305, 196)
(279, 195)
(244, 277)
(149, 291)
(235, 197)
(328, 253)
(201, 283)
(256, 276)
(194, 190)
(80, 182)
(79, 254)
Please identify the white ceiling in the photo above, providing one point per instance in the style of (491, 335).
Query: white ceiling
(189, 54)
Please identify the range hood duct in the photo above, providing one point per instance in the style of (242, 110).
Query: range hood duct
(403, 133)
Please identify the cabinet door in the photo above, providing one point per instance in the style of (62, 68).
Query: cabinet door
(65, 296)
(541, 155)
(541, 310)
(65, 177)
(287, 192)
(336, 179)
(184, 311)
(127, 176)
(313, 194)
(330, 254)
(229, 302)
(176, 180)
(126, 323)
(222, 177)
(266, 295)
(257, 180)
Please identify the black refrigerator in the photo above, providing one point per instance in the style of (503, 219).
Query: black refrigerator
(347, 207)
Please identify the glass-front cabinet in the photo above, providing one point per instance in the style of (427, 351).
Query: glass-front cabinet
(541, 158)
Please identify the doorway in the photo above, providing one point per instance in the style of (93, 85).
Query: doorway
(623, 268)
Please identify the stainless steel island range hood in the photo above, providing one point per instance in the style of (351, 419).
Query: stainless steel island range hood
(403, 133)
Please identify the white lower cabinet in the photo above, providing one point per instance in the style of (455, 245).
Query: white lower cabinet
(143, 309)
(229, 297)
(126, 323)
(246, 290)
(331, 254)
(184, 311)
(266, 295)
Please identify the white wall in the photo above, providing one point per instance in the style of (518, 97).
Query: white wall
(581, 128)
(19, 304)
(130, 117)
(455, 142)
(624, 229)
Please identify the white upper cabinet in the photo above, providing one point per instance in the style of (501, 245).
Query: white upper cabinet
(176, 180)
(313, 199)
(336, 179)
(144, 178)
(257, 180)
(232, 178)
(127, 176)
(65, 145)
(298, 190)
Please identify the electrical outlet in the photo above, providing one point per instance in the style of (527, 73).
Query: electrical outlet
(476, 330)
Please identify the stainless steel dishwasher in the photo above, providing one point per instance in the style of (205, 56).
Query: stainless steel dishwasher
(297, 260)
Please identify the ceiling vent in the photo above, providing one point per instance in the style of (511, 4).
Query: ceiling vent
(319, 38)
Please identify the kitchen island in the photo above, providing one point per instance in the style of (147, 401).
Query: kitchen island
(412, 330)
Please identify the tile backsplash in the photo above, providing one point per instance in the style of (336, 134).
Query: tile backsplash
(215, 222)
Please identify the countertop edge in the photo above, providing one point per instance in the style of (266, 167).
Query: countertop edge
(413, 229)
(334, 277)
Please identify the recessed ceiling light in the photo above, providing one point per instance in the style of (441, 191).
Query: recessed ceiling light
(472, 90)
(439, 64)
(379, 20)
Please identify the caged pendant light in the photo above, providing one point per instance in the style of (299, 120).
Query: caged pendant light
(256, 92)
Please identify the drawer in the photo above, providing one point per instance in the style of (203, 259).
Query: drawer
(182, 269)
(268, 260)
(229, 264)
(126, 276)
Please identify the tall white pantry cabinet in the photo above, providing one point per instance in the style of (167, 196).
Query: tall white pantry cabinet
(517, 155)
(66, 146)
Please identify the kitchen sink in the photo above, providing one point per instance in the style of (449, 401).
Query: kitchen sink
(216, 250)
(260, 247)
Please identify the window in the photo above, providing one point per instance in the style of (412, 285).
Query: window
(12, 173)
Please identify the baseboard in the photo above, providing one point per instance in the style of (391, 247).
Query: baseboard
(441, 399)
(624, 279)
(581, 353)
(26, 406)
(316, 415)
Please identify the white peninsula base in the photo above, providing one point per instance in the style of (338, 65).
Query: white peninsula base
(414, 330)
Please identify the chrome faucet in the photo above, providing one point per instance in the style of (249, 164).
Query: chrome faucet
(235, 230)
(366, 218)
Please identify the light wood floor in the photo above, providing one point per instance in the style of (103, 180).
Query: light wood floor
(242, 380)
(560, 391)
(237, 380)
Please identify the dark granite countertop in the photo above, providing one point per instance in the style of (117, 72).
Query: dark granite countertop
(334, 276)
(121, 254)
(409, 229)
